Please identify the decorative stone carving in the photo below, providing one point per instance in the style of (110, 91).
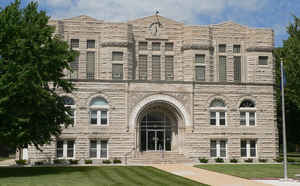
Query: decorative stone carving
(260, 49)
(197, 47)
(117, 44)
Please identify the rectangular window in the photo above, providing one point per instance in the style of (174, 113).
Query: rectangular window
(103, 117)
(237, 68)
(222, 48)
(222, 68)
(263, 60)
(117, 71)
(91, 44)
(59, 149)
(247, 118)
(74, 43)
(103, 152)
(143, 46)
(70, 149)
(199, 59)
(236, 48)
(218, 148)
(143, 66)
(93, 148)
(93, 117)
(117, 56)
(169, 67)
(155, 46)
(74, 66)
(200, 73)
(156, 68)
(99, 117)
(248, 148)
(217, 118)
(169, 46)
(90, 65)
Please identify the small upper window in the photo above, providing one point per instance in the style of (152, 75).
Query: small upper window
(236, 48)
(74, 43)
(117, 56)
(222, 48)
(169, 46)
(143, 45)
(263, 60)
(156, 46)
(217, 103)
(91, 43)
(199, 59)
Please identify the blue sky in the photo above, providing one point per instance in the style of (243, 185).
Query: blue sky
(276, 14)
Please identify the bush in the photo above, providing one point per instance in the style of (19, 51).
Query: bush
(261, 160)
(73, 162)
(39, 163)
(21, 162)
(233, 160)
(59, 161)
(203, 160)
(249, 160)
(219, 160)
(88, 161)
(278, 159)
(106, 162)
(116, 161)
(290, 160)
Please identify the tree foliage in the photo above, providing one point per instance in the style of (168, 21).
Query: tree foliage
(32, 60)
(290, 54)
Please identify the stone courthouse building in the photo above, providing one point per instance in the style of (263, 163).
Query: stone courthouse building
(157, 90)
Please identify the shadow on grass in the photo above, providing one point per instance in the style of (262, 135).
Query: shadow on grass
(39, 171)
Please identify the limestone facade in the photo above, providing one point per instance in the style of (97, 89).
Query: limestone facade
(174, 87)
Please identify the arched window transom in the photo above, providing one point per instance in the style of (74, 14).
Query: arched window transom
(247, 104)
(217, 103)
(247, 113)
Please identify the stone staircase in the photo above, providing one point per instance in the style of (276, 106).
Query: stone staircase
(142, 158)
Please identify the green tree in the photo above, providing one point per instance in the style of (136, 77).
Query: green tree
(32, 60)
(290, 53)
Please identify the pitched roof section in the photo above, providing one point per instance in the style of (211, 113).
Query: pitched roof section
(153, 18)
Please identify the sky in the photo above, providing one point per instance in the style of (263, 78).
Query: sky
(275, 14)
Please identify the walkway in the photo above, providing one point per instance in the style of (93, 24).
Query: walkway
(207, 177)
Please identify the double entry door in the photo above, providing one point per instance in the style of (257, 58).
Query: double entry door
(158, 139)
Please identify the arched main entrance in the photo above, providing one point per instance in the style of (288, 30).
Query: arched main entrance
(158, 128)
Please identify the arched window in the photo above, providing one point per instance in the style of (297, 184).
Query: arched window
(217, 112)
(247, 113)
(99, 111)
(70, 103)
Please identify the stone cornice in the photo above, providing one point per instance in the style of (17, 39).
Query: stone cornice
(260, 49)
(116, 44)
(197, 47)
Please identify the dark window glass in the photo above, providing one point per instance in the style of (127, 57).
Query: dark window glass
(143, 46)
(91, 43)
(263, 60)
(59, 149)
(169, 46)
(200, 73)
(156, 68)
(156, 46)
(117, 71)
(90, 65)
(222, 48)
(169, 67)
(236, 48)
(93, 148)
(117, 56)
(143, 67)
(74, 43)
(222, 118)
(103, 117)
(243, 118)
(237, 68)
(222, 68)
(70, 149)
(93, 117)
(213, 118)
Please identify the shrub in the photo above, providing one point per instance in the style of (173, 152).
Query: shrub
(203, 160)
(106, 162)
(88, 161)
(249, 160)
(21, 162)
(290, 160)
(233, 160)
(219, 160)
(39, 163)
(59, 161)
(116, 161)
(278, 159)
(261, 160)
(73, 162)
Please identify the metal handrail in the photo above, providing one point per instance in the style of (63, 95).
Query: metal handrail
(128, 153)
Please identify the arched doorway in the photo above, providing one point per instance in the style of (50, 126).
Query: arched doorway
(158, 128)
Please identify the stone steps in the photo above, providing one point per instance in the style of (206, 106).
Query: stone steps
(159, 158)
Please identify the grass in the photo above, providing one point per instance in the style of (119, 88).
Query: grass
(88, 176)
(4, 158)
(253, 171)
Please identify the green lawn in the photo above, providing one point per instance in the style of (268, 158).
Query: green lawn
(254, 170)
(3, 158)
(87, 176)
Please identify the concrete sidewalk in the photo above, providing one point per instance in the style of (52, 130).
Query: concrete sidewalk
(207, 177)
(6, 163)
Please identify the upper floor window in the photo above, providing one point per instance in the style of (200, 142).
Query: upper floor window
(156, 71)
(222, 68)
(74, 43)
(247, 113)
(218, 113)
(91, 44)
(90, 65)
(117, 71)
(70, 103)
(169, 46)
(143, 67)
(143, 45)
(236, 48)
(117, 56)
(263, 60)
(218, 148)
(199, 67)
(155, 46)
(199, 59)
(169, 67)
(99, 111)
(237, 68)
(222, 48)
(75, 67)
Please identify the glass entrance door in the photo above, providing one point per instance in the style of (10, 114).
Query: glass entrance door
(156, 140)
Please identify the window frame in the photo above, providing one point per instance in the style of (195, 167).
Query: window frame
(141, 45)
(169, 48)
(260, 58)
(121, 77)
(200, 65)
(99, 109)
(218, 148)
(248, 148)
(247, 111)
(99, 149)
(236, 46)
(217, 110)
(153, 48)
(65, 148)
(222, 45)
(72, 107)
(117, 52)
(73, 40)
(90, 40)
